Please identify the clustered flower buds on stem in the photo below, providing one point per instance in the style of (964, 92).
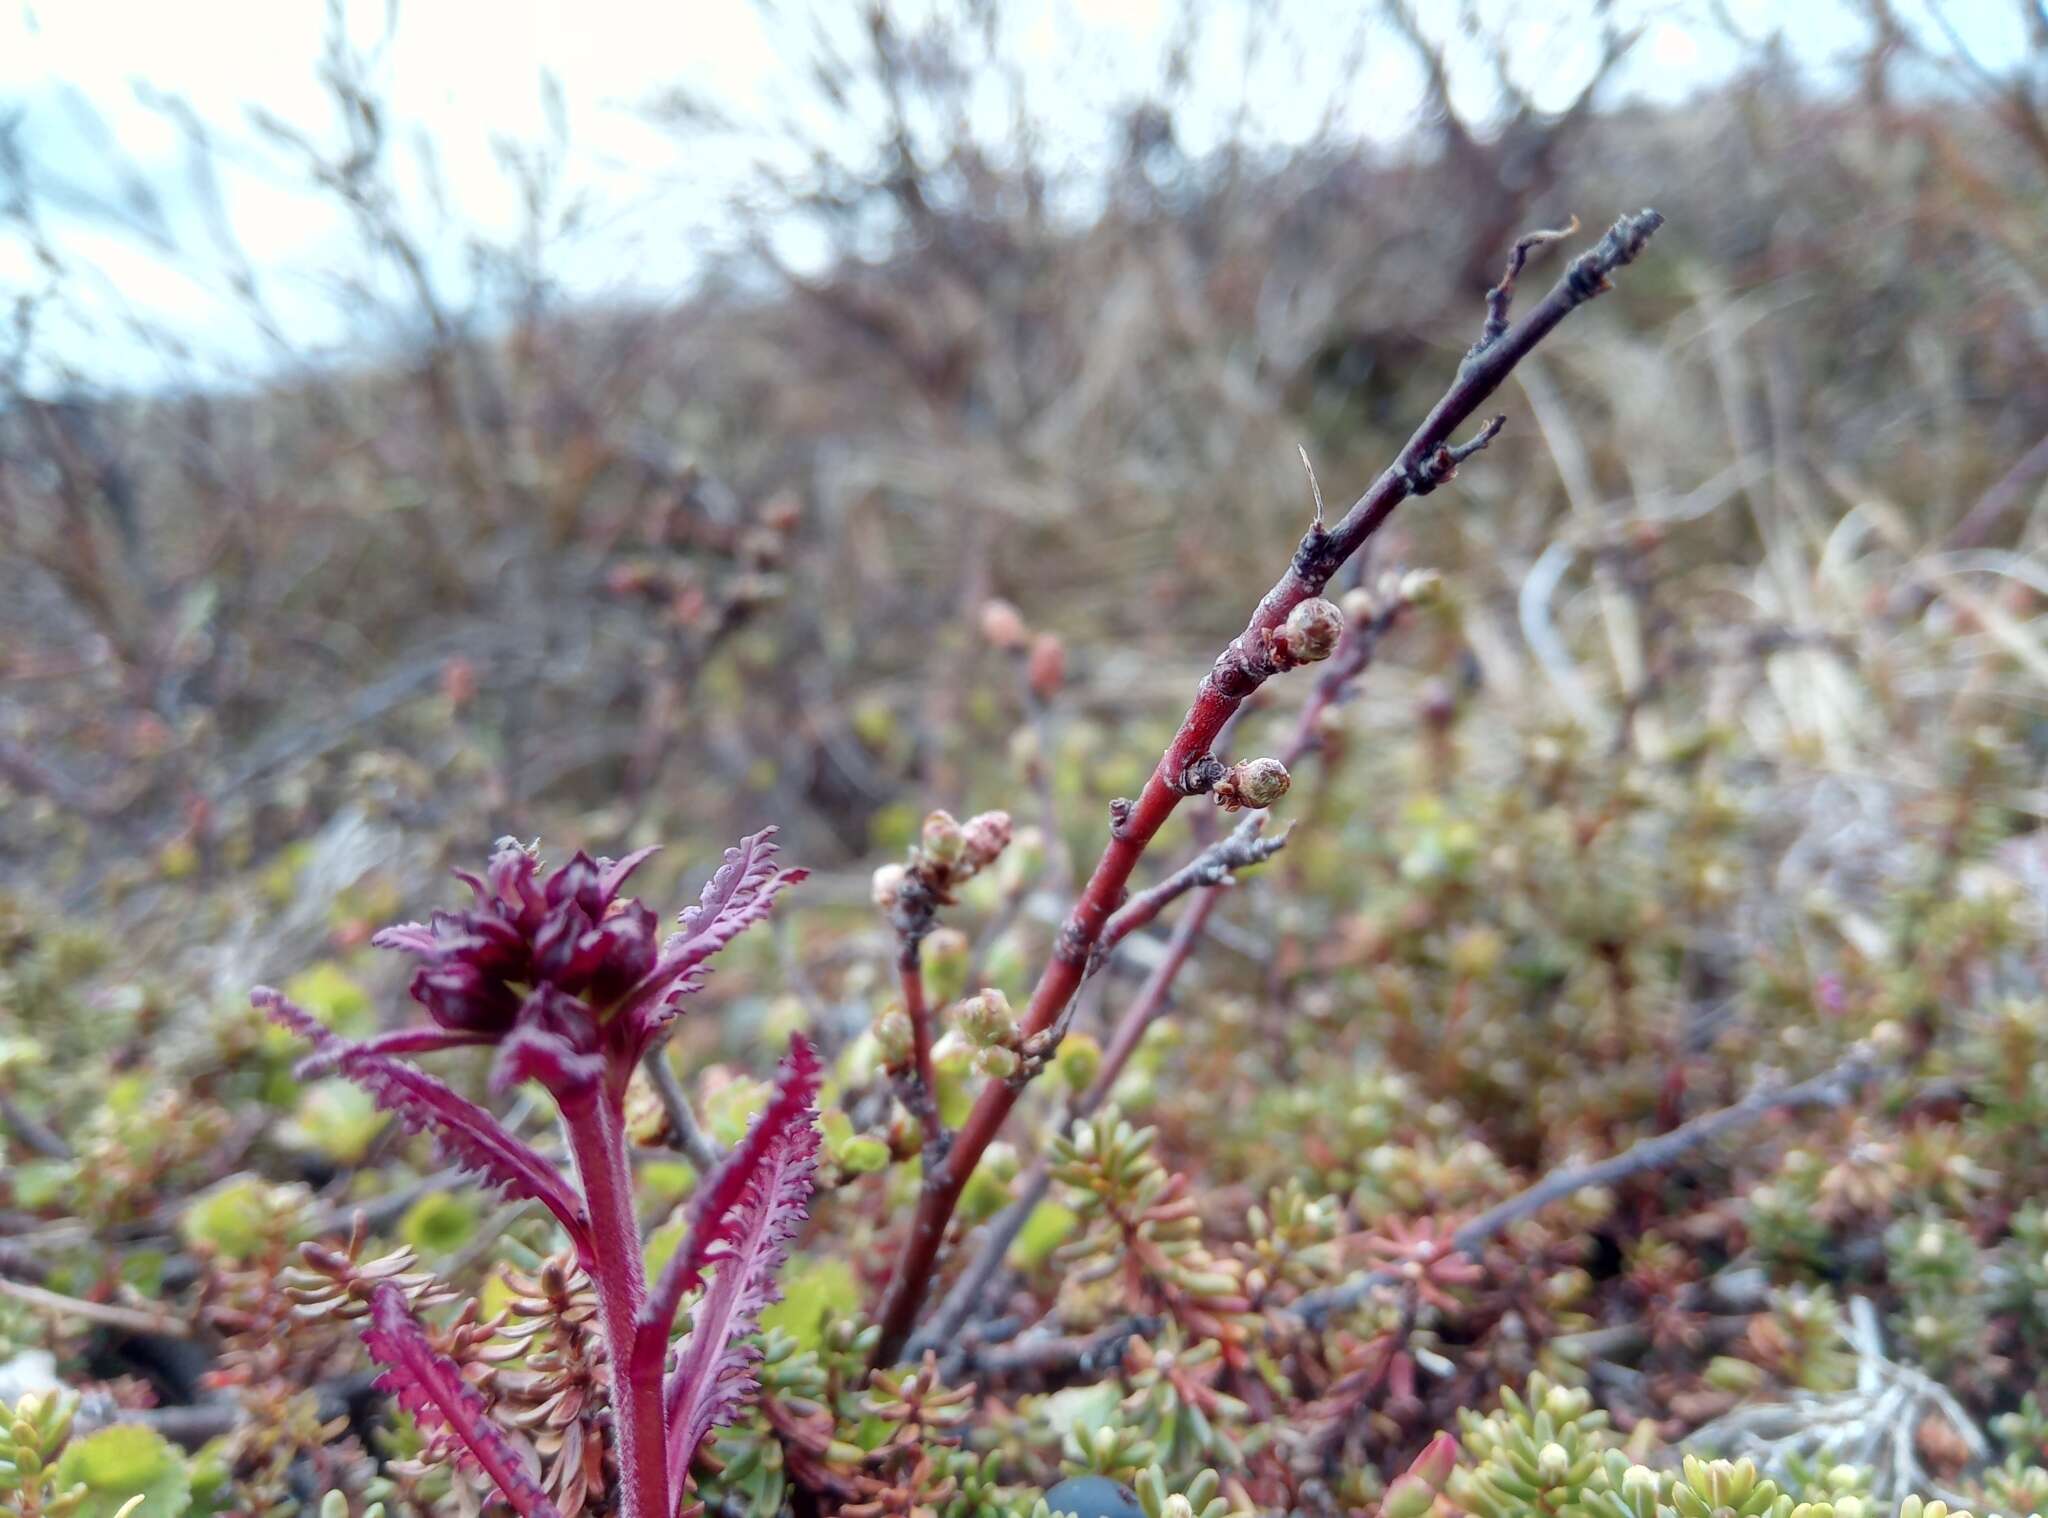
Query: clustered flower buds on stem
(948, 853)
(1042, 655)
(1394, 592)
(987, 1022)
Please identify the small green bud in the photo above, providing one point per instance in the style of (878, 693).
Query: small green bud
(1000, 1160)
(1728, 1374)
(942, 840)
(895, 1037)
(1078, 1061)
(862, 1155)
(1251, 783)
(1422, 587)
(1565, 1403)
(984, 837)
(996, 1062)
(986, 1019)
(947, 956)
(1476, 953)
(985, 1194)
(906, 1134)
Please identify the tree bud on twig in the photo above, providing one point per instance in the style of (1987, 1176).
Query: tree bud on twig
(1046, 670)
(987, 1018)
(906, 1135)
(1078, 1061)
(942, 839)
(887, 886)
(1309, 634)
(985, 836)
(1003, 625)
(894, 1038)
(1422, 587)
(1252, 783)
(997, 1062)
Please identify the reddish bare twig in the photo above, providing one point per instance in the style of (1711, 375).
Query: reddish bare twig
(1354, 653)
(1188, 766)
(1146, 1007)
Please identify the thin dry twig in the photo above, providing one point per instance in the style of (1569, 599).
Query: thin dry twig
(1215, 866)
(32, 1130)
(697, 1145)
(134, 1320)
(1043, 1352)
(1831, 1088)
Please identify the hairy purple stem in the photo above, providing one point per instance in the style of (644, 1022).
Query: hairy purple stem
(596, 1138)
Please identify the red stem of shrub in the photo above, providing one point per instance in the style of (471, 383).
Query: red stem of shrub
(1425, 462)
(917, 1006)
(1353, 654)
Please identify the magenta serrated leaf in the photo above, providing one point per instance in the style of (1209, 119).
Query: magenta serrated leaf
(738, 894)
(464, 1132)
(430, 1387)
(751, 1211)
(715, 1215)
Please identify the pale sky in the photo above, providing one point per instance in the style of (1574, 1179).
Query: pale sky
(86, 82)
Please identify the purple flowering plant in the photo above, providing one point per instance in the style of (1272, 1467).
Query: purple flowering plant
(571, 984)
